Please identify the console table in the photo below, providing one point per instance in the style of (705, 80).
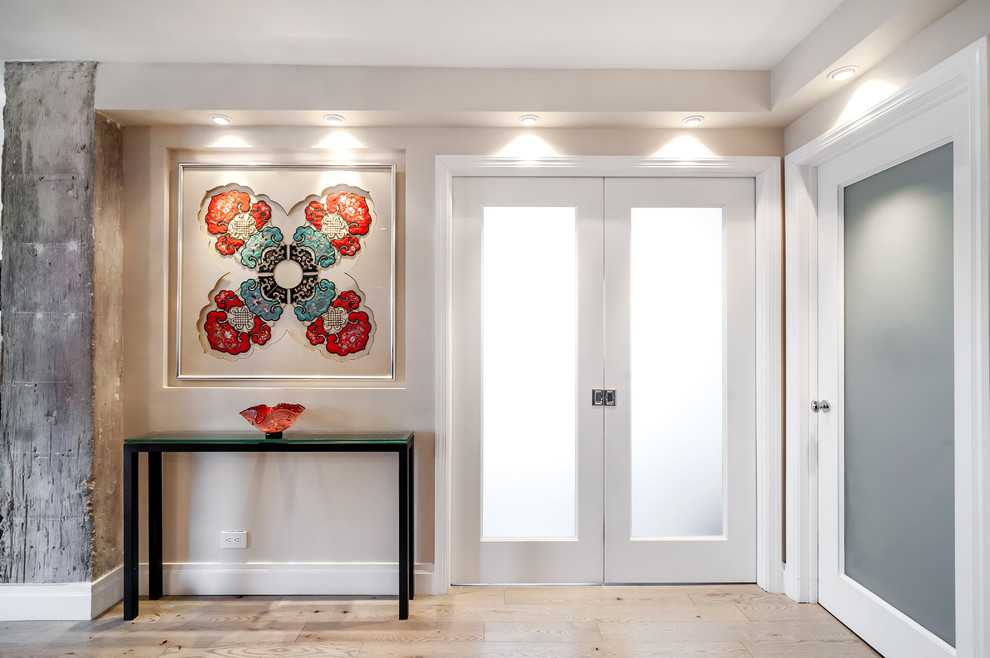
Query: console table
(155, 444)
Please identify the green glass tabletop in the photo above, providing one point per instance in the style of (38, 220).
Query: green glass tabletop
(233, 436)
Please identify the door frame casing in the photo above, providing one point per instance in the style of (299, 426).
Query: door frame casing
(766, 172)
(963, 74)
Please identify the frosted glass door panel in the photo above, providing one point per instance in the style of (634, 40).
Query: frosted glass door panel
(529, 373)
(680, 329)
(677, 372)
(526, 444)
(898, 388)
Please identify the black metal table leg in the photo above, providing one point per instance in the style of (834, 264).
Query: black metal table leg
(130, 534)
(412, 524)
(154, 525)
(404, 532)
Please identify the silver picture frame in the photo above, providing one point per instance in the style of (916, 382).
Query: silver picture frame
(198, 271)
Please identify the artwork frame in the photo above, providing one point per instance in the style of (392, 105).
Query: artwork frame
(237, 226)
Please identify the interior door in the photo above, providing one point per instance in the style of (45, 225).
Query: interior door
(526, 353)
(680, 322)
(643, 289)
(894, 388)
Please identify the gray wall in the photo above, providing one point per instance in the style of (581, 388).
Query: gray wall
(47, 435)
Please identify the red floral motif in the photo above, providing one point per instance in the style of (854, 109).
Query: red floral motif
(225, 338)
(226, 299)
(222, 336)
(261, 332)
(223, 208)
(315, 332)
(347, 246)
(348, 299)
(353, 337)
(354, 210)
(315, 212)
(261, 212)
(227, 245)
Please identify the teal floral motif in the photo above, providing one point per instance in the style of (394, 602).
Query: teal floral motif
(318, 304)
(257, 303)
(269, 236)
(319, 243)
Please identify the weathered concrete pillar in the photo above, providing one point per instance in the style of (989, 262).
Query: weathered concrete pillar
(59, 397)
(108, 349)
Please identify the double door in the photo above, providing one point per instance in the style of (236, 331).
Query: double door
(603, 351)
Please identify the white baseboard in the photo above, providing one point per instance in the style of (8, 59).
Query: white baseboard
(85, 601)
(61, 601)
(278, 578)
(107, 591)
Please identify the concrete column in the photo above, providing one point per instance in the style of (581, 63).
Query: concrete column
(51, 461)
(108, 348)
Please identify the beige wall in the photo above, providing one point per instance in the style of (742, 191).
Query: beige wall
(960, 28)
(340, 508)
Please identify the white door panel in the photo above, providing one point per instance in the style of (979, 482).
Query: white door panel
(893, 365)
(548, 488)
(681, 442)
(514, 325)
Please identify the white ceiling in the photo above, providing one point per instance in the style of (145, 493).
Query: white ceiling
(742, 63)
(635, 34)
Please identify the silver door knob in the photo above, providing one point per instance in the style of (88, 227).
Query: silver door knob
(820, 405)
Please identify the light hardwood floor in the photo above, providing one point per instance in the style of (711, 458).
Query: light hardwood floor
(508, 622)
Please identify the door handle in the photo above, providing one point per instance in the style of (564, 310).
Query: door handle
(822, 406)
(603, 397)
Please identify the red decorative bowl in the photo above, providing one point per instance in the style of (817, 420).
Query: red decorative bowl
(272, 420)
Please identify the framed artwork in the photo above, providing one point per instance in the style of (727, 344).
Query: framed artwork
(285, 272)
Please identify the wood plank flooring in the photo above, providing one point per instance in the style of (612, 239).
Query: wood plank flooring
(491, 622)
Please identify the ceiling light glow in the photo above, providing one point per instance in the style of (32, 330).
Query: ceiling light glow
(843, 73)
(220, 119)
(334, 119)
(230, 142)
(528, 149)
(339, 140)
(686, 148)
(529, 119)
(693, 120)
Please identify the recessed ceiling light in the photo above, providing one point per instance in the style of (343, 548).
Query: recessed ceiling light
(220, 119)
(529, 119)
(693, 120)
(843, 73)
(334, 119)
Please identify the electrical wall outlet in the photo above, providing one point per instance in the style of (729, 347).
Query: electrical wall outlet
(233, 539)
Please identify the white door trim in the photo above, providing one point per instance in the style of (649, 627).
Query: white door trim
(963, 74)
(769, 330)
